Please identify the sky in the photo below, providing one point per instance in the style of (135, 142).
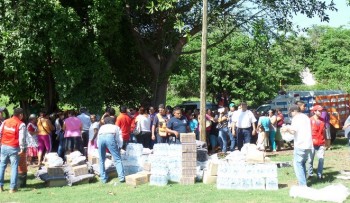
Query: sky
(337, 18)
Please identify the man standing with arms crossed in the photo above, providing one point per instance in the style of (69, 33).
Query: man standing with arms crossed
(301, 129)
(13, 143)
(243, 120)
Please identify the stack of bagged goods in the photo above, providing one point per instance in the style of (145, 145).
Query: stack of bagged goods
(247, 176)
(175, 162)
(189, 158)
(159, 164)
(93, 157)
(133, 159)
(202, 151)
(77, 169)
(53, 173)
(109, 167)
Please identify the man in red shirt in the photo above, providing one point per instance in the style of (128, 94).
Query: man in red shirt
(13, 144)
(318, 139)
(124, 123)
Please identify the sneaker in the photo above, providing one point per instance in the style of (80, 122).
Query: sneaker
(12, 190)
(319, 177)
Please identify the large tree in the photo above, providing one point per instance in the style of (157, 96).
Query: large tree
(161, 28)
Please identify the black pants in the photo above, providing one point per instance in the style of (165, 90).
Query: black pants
(144, 138)
(85, 136)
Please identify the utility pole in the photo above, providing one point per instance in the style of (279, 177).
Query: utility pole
(203, 71)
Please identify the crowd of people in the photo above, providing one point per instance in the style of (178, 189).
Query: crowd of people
(227, 129)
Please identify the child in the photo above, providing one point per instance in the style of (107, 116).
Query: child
(194, 125)
(261, 138)
(32, 139)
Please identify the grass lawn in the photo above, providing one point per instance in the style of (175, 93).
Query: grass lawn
(335, 160)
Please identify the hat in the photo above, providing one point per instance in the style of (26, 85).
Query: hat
(317, 108)
(294, 108)
(232, 105)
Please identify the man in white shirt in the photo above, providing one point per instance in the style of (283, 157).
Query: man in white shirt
(244, 123)
(303, 145)
(85, 120)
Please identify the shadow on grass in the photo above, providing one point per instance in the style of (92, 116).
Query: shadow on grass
(327, 177)
(280, 186)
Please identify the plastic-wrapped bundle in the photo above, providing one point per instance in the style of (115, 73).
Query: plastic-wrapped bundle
(271, 183)
(175, 150)
(161, 149)
(134, 149)
(76, 161)
(55, 161)
(174, 176)
(158, 180)
(202, 155)
(129, 170)
(201, 144)
(96, 169)
(72, 180)
(258, 183)
(159, 169)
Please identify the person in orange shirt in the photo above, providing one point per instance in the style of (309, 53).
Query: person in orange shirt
(124, 123)
(13, 143)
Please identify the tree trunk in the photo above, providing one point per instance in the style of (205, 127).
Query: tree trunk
(51, 95)
(160, 91)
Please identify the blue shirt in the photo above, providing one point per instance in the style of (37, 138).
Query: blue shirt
(265, 122)
(179, 125)
(193, 124)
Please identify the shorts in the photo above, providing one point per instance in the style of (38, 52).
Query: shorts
(328, 133)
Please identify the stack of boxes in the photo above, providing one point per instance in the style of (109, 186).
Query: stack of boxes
(189, 158)
(210, 175)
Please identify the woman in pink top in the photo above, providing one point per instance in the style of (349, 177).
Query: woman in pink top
(72, 127)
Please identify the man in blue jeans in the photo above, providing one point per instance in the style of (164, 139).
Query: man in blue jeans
(233, 139)
(303, 145)
(13, 143)
(244, 123)
(110, 136)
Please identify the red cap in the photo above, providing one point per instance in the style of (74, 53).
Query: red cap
(317, 108)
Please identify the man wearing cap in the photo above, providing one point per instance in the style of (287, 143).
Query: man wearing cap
(301, 129)
(13, 143)
(318, 139)
(233, 139)
(243, 120)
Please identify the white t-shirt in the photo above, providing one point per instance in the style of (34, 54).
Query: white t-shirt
(144, 122)
(302, 126)
(93, 126)
(112, 129)
(243, 119)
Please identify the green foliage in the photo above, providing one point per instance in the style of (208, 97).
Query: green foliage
(332, 56)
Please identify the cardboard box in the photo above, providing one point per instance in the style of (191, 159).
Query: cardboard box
(56, 183)
(136, 179)
(189, 164)
(209, 179)
(188, 137)
(187, 180)
(190, 156)
(80, 170)
(93, 160)
(189, 147)
(55, 171)
(148, 173)
(213, 169)
(188, 172)
(147, 166)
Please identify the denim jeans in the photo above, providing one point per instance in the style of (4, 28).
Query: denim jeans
(213, 141)
(319, 151)
(9, 153)
(233, 140)
(223, 133)
(161, 139)
(243, 136)
(109, 141)
(300, 158)
(61, 145)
